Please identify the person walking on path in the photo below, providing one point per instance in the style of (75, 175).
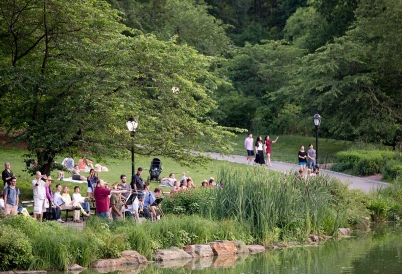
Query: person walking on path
(248, 144)
(267, 144)
(311, 154)
(259, 151)
(302, 157)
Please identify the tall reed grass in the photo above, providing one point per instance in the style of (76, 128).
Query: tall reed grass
(276, 206)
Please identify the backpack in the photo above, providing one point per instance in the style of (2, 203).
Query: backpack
(8, 192)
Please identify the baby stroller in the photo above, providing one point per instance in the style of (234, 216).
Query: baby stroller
(155, 170)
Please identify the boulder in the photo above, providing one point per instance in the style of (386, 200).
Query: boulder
(255, 248)
(199, 250)
(174, 253)
(76, 267)
(223, 248)
(128, 257)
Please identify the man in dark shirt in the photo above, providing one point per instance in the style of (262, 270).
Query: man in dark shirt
(137, 183)
(7, 174)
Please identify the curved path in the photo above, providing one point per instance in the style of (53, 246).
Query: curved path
(353, 182)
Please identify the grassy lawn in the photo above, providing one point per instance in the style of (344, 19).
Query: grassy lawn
(287, 146)
(116, 168)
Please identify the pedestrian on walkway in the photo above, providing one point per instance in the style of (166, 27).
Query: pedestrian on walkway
(248, 144)
(302, 156)
(267, 144)
(311, 157)
(259, 151)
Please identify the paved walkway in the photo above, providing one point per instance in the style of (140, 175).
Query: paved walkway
(353, 182)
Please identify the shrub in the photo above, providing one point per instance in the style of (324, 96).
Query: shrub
(362, 162)
(391, 170)
(15, 249)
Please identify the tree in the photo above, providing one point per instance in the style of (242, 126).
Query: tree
(356, 81)
(187, 20)
(70, 79)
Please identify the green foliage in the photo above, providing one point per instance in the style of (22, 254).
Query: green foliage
(362, 162)
(272, 204)
(15, 249)
(185, 21)
(188, 202)
(392, 170)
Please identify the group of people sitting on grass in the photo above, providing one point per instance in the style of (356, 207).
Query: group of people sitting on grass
(185, 183)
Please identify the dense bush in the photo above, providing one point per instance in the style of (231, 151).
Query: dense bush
(15, 249)
(391, 170)
(362, 162)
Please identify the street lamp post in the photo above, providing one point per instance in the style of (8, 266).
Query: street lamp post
(132, 125)
(317, 122)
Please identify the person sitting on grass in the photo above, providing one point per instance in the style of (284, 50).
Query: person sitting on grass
(76, 205)
(76, 174)
(175, 188)
(204, 183)
(190, 183)
(184, 186)
(78, 198)
(169, 181)
(211, 182)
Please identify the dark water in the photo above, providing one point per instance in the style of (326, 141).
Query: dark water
(379, 251)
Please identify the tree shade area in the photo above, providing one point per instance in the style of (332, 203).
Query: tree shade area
(72, 72)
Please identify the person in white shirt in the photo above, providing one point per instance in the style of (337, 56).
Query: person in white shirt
(84, 204)
(248, 144)
(39, 195)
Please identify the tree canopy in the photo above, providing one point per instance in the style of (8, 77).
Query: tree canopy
(70, 78)
(72, 72)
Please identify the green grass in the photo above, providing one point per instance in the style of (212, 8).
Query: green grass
(287, 146)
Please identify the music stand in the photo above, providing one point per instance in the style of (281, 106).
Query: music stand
(131, 198)
(157, 202)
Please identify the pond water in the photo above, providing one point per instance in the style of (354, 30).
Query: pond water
(379, 251)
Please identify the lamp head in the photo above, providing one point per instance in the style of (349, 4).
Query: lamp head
(317, 119)
(132, 124)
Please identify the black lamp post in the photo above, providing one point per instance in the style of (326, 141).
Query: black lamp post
(132, 125)
(317, 122)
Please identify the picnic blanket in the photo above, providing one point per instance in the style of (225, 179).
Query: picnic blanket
(70, 179)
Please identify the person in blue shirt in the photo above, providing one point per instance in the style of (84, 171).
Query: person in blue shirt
(11, 198)
(149, 208)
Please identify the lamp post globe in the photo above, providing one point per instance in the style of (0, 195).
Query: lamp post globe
(132, 125)
(317, 122)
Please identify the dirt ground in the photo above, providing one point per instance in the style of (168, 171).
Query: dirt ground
(4, 139)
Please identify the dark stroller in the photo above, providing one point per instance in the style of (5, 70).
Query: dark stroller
(155, 170)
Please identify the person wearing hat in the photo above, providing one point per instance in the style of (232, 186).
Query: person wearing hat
(137, 183)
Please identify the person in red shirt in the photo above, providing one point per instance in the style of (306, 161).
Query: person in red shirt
(102, 199)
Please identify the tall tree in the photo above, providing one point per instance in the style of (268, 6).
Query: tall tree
(356, 81)
(69, 79)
